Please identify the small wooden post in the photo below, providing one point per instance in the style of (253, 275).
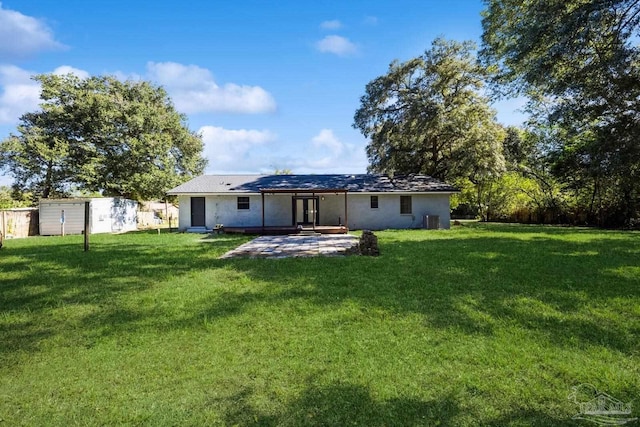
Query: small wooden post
(62, 220)
(166, 211)
(346, 214)
(262, 194)
(86, 225)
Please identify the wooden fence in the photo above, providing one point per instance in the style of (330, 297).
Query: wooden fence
(154, 214)
(19, 222)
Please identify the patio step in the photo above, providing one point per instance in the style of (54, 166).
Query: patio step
(308, 233)
(201, 230)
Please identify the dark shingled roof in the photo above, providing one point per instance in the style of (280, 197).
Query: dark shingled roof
(370, 183)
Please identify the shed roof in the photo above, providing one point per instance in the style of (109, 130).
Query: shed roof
(373, 183)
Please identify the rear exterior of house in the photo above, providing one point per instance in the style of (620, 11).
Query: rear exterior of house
(106, 215)
(322, 202)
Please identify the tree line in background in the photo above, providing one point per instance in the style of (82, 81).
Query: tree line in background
(577, 159)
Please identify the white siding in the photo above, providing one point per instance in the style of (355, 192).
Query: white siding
(184, 219)
(278, 210)
(222, 209)
(106, 215)
(51, 211)
(332, 209)
(123, 215)
(388, 215)
(101, 215)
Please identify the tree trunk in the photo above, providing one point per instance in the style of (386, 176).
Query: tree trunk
(46, 190)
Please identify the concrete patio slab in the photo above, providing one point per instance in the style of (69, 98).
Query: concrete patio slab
(294, 246)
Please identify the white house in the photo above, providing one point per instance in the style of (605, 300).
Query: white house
(106, 215)
(325, 203)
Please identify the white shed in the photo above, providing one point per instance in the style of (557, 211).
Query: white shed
(106, 215)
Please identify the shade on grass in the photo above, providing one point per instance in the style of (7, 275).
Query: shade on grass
(482, 324)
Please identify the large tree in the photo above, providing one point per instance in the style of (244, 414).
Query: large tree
(103, 135)
(560, 46)
(428, 115)
(579, 62)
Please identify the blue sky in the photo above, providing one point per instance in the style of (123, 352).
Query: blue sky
(268, 84)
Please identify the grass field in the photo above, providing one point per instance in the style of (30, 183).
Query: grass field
(484, 324)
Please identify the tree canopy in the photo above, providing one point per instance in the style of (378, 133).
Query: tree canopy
(428, 115)
(579, 63)
(559, 46)
(102, 135)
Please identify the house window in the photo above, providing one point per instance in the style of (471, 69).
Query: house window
(405, 205)
(374, 202)
(243, 203)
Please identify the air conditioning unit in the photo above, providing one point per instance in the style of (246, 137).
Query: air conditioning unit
(431, 222)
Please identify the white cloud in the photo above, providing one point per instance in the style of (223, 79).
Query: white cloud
(337, 45)
(126, 76)
(327, 139)
(18, 93)
(67, 69)
(331, 25)
(327, 154)
(22, 35)
(194, 90)
(230, 150)
(260, 151)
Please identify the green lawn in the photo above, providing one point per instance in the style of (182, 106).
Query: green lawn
(479, 325)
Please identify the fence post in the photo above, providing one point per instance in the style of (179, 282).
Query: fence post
(86, 226)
